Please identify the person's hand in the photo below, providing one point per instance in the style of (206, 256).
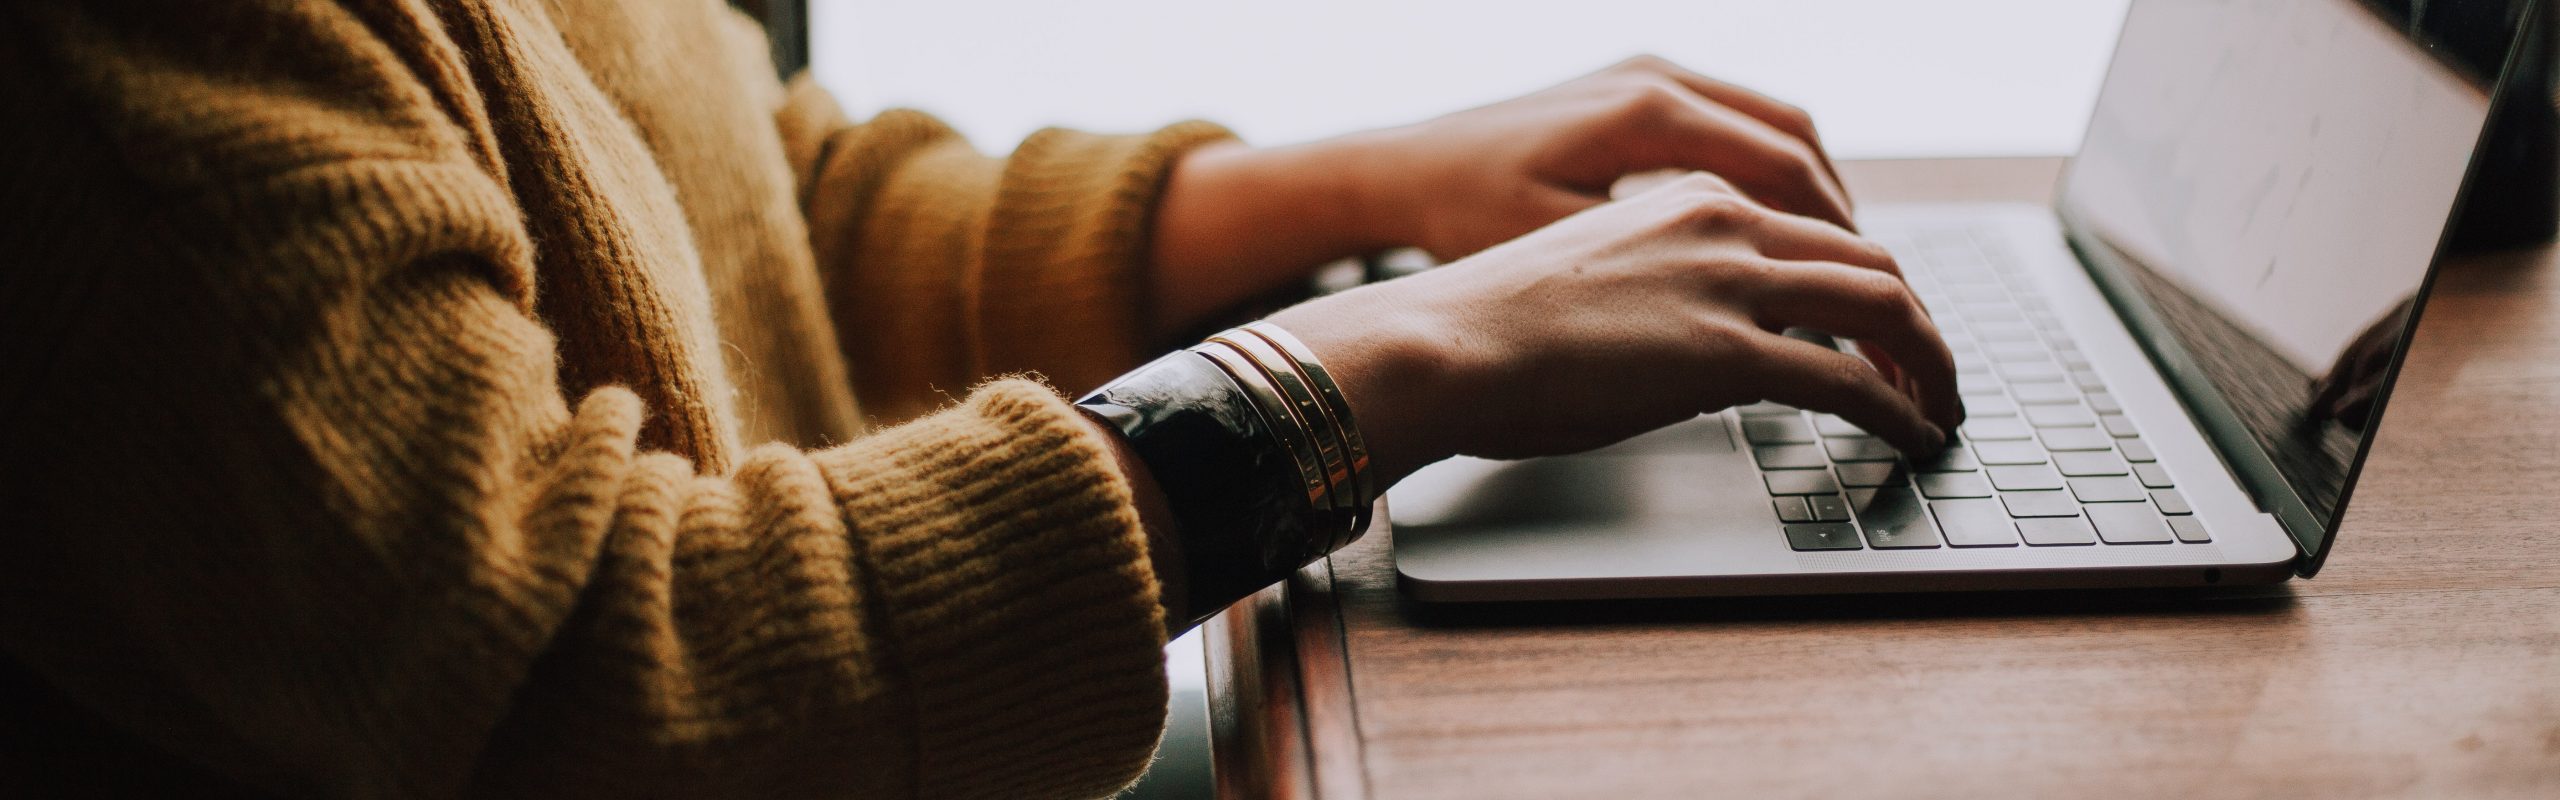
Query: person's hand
(1628, 317)
(1467, 181)
(1237, 222)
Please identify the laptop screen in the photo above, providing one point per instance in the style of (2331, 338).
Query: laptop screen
(2272, 177)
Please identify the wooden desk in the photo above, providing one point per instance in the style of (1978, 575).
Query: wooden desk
(2423, 662)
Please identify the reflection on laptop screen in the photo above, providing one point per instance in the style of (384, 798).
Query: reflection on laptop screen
(2276, 174)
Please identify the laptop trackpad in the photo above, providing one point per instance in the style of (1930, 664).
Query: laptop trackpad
(1646, 504)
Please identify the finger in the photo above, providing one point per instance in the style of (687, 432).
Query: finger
(1793, 238)
(1778, 170)
(1879, 312)
(1818, 378)
(1785, 118)
(1636, 183)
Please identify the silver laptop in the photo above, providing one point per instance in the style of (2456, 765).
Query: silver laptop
(2172, 374)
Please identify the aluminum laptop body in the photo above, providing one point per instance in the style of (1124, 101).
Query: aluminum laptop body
(2172, 374)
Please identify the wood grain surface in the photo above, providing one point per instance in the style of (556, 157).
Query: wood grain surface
(2423, 662)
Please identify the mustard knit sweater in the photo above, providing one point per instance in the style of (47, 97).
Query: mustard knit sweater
(410, 399)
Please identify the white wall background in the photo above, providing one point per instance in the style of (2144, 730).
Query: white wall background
(1883, 78)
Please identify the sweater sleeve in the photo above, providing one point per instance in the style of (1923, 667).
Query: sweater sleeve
(944, 266)
(292, 489)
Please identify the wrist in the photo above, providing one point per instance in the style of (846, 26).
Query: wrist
(1238, 223)
(1368, 184)
(1399, 369)
(1335, 198)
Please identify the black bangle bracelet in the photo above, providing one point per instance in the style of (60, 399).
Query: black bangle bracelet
(1238, 506)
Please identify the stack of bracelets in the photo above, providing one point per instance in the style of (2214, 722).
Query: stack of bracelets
(1255, 449)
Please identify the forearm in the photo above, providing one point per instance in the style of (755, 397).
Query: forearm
(1238, 222)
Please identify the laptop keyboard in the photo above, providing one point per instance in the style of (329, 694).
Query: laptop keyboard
(2046, 457)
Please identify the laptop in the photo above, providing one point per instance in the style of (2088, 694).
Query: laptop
(2172, 374)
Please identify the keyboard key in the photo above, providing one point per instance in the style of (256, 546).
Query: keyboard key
(1800, 481)
(1994, 429)
(2059, 439)
(2071, 357)
(1874, 473)
(2051, 531)
(1894, 519)
(2118, 425)
(2088, 379)
(2152, 476)
(1862, 448)
(1829, 425)
(2189, 530)
(2015, 351)
(2084, 463)
(1988, 406)
(1793, 509)
(1823, 536)
(1967, 384)
(2171, 502)
(2025, 478)
(2055, 503)
(2136, 450)
(1955, 458)
(2105, 403)
(1979, 293)
(2003, 330)
(1776, 430)
(1969, 364)
(2107, 490)
(2060, 416)
(2032, 372)
(2128, 523)
(1939, 486)
(1828, 508)
(2042, 393)
(2009, 452)
(1985, 312)
(1974, 523)
(1789, 456)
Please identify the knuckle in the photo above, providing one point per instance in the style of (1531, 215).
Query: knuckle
(1792, 120)
(1644, 62)
(1718, 209)
(1881, 293)
(1801, 163)
(1876, 255)
(1649, 100)
(1703, 183)
(1751, 278)
(1715, 335)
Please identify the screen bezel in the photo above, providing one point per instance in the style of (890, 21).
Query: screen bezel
(2313, 535)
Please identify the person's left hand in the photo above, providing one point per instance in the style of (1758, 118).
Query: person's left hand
(1473, 179)
(1237, 222)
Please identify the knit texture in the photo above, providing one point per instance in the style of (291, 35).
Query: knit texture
(381, 376)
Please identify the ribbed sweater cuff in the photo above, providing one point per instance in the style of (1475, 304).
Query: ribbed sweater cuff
(1016, 589)
(1063, 287)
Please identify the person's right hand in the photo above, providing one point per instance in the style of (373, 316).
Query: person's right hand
(1627, 317)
